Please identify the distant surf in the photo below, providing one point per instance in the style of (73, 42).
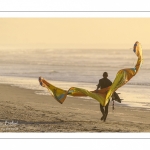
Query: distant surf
(67, 68)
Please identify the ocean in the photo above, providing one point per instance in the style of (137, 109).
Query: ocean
(82, 68)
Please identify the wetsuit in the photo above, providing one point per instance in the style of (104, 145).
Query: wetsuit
(104, 83)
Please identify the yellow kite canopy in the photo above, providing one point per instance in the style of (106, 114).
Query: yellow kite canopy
(103, 95)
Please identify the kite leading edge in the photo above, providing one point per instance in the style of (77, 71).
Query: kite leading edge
(103, 95)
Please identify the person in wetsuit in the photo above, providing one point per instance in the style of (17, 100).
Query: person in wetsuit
(104, 83)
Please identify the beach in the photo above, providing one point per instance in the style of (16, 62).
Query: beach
(72, 52)
(25, 106)
(22, 110)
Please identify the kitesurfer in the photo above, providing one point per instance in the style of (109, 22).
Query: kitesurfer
(104, 83)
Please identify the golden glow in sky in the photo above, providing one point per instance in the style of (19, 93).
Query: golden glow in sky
(74, 32)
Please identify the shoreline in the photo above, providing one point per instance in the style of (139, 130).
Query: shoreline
(26, 111)
(130, 93)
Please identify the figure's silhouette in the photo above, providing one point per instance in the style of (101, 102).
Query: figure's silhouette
(104, 83)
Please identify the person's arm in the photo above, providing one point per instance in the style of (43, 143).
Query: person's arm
(110, 83)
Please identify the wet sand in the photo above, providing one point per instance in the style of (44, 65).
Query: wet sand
(22, 110)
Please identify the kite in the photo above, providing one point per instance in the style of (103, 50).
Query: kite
(102, 96)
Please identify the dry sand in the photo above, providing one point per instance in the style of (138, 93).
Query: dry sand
(22, 110)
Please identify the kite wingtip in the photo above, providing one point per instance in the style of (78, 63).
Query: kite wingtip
(40, 81)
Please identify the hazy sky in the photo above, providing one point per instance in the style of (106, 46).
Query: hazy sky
(74, 32)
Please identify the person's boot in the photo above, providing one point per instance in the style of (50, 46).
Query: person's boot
(105, 116)
(102, 118)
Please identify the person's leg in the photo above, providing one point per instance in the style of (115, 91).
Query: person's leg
(106, 111)
(102, 111)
